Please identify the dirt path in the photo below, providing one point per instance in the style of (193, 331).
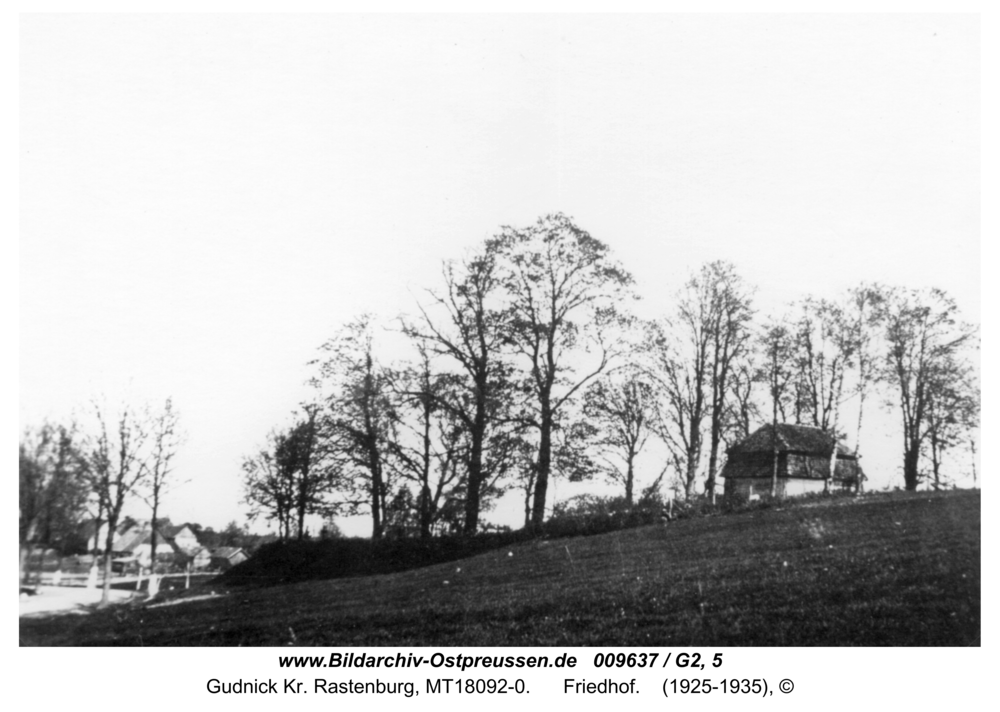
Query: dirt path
(65, 599)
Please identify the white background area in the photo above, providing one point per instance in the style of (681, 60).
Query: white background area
(205, 199)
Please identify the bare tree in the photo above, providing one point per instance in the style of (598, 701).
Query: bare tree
(292, 476)
(312, 472)
(923, 333)
(165, 439)
(952, 413)
(682, 405)
(621, 411)
(117, 464)
(428, 443)
(713, 320)
(468, 326)
(565, 297)
(358, 417)
(777, 345)
(827, 341)
(742, 409)
(862, 309)
(268, 488)
(728, 308)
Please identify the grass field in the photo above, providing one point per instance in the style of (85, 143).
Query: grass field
(901, 569)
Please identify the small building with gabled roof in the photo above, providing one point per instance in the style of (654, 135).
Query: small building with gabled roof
(137, 542)
(803, 462)
(225, 557)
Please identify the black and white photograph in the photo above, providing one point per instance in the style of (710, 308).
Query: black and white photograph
(599, 332)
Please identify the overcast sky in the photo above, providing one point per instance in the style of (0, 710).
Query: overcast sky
(205, 199)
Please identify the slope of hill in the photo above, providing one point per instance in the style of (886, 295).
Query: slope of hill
(889, 570)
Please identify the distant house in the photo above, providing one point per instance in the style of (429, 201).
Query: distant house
(164, 549)
(134, 541)
(225, 557)
(803, 462)
(201, 558)
(184, 538)
(96, 537)
(137, 542)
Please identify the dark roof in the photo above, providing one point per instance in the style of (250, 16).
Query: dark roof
(88, 527)
(791, 438)
(171, 530)
(142, 533)
(129, 540)
(227, 552)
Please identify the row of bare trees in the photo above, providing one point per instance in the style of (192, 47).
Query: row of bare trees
(907, 346)
(68, 474)
(528, 364)
(504, 349)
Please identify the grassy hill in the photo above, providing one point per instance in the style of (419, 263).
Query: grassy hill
(901, 569)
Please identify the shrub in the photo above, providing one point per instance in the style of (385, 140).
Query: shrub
(589, 514)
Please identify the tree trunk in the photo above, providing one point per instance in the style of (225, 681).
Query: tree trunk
(376, 509)
(774, 469)
(691, 476)
(152, 534)
(424, 503)
(529, 492)
(425, 511)
(96, 549)
(475, 479)
(106, 589)
(774, 439)
(936, 460)
(827, 484)
(911, 461)
(833, 467)
(972, 447)
(629, 479)
(718, 398)
(691, 465)
(713, 464)
(375, 467)
(859, 485)
(108, 548)
(861, 412)
(544, 466)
